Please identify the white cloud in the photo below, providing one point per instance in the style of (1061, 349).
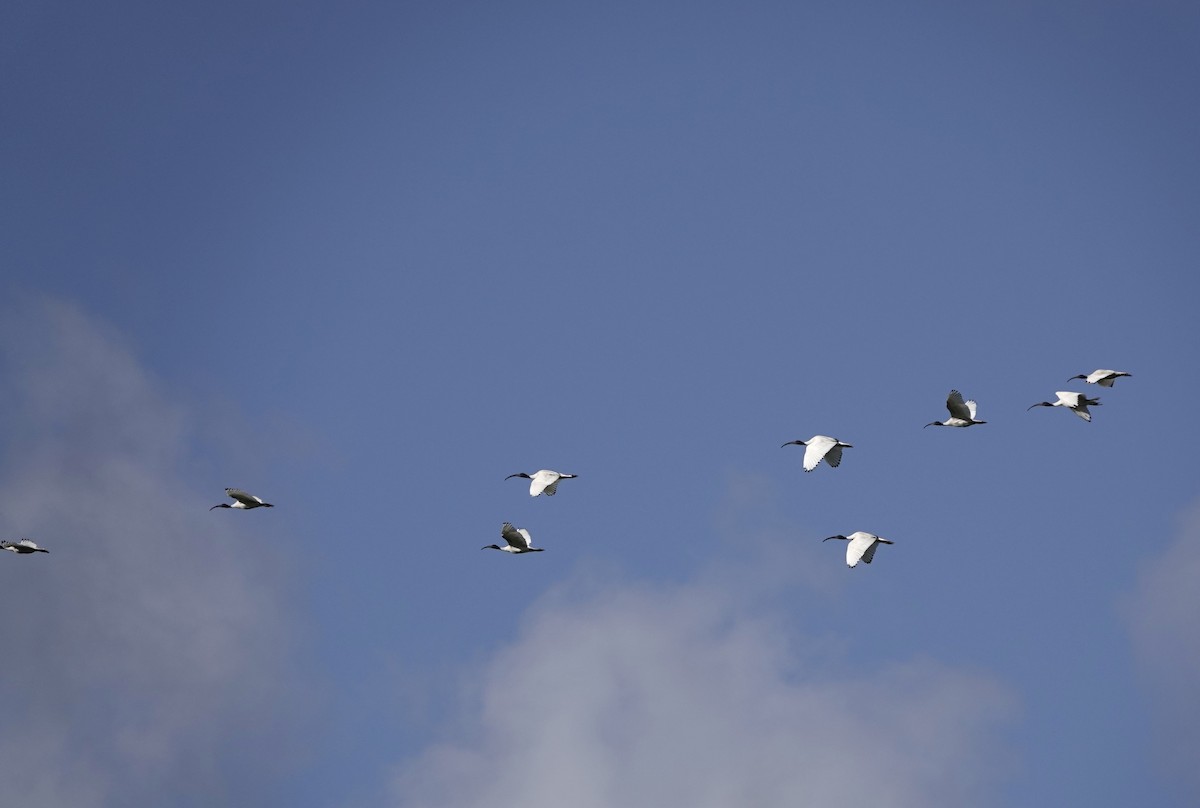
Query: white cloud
(630, 697)
(142, 656)
(1161, 614)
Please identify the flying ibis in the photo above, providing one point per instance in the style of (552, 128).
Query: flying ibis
(243, 501)
(1077, 403)
(862, 546)
(22, 546)
(818, 448)
(962, 413)
(542, 482)
(516, 540)
(1104, 378)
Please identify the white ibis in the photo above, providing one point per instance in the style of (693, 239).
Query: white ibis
(1077, 403)
(818, 448)
(243, 501)
(862, 546)
(22, 546)
(542, 482)
(516, 540)
(1104, 378)
(962, 413)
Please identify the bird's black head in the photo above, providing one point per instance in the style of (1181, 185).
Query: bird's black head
(519, 474)
(1080, 376)
(838, 536)
(794, 443)
(1039, 404)
(933, 423)
(222, 505)
(490, 547)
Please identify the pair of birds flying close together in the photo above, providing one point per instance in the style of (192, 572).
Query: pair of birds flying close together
(823, 447)
(517, 539)
(1078, 403)
(242, 501)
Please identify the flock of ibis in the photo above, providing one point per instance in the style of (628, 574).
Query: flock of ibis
(860, 545)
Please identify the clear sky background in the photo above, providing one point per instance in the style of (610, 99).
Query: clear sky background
(367, 259)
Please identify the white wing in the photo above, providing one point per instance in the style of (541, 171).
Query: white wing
(958, 408)
(819, 447)
(859, 544)
(1068, 398)
(1082, 412)
(1105, 378)
(243, 497)
(869, 553)
(972, 407)
(27, 543)
(544, 481)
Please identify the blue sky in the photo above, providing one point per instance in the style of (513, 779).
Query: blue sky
(368, 259)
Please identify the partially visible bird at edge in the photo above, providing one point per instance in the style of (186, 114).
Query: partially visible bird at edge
(22, 546)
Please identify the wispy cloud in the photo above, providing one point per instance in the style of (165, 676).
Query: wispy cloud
(142, 656)
(1161, 615)
(628, 696)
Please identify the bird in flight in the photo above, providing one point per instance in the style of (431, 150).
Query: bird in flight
(542, 482)
(1077, 403)
(818, 448)
(516, 540)
(22, 546)
(862, 546)
(962, 413)
(242, 501)
(1104, 378)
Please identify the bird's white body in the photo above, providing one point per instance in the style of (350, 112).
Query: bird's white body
(861, 546)
(516, 540)
(22, 546)
(821, 447)
(543, 482)
(1077, 403)
(962, 413)
(242, 500)
(1104, 378)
